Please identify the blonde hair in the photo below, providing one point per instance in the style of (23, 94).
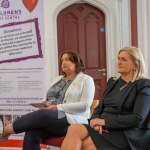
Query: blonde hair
(138, 60)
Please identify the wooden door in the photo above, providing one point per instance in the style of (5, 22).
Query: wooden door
(81, 28)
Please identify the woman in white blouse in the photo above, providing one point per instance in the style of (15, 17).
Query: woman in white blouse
(72, 94)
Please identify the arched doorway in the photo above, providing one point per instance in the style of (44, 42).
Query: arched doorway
(81, 27)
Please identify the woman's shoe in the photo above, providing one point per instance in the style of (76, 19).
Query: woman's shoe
(1, 127)
(2, 138)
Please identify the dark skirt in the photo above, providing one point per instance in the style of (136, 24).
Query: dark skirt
(113, 140)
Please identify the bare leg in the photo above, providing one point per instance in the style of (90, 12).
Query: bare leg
(88, 144)
(74, 138)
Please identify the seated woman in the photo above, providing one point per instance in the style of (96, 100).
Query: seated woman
(121, 121)
(72, 94)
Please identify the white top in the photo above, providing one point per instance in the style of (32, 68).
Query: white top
(78, 99)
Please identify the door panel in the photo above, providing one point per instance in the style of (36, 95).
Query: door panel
(81, 28)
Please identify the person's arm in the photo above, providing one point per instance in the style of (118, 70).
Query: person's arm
(139, 114)
(82, 100)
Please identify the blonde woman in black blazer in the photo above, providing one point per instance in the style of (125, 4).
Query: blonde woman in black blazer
(121, 121)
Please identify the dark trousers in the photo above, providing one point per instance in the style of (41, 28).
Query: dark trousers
(38, 126)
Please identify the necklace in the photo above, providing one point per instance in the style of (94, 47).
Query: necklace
(123, 86)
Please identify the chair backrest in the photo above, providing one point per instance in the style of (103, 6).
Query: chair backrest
(57, 141)
(94, 104)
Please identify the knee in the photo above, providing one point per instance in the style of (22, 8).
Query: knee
(76, 130)
(72, 129)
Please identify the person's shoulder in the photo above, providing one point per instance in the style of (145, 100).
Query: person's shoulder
(85, 77)
(142, 83)
(81, 74)
(111, 79)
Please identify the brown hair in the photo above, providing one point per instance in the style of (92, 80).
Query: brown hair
(76, 59)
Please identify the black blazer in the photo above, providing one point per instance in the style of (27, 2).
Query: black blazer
(133, 116)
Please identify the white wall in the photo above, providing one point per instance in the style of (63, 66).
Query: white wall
(144, 30)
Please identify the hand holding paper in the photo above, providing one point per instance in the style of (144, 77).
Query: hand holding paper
(42, 104)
